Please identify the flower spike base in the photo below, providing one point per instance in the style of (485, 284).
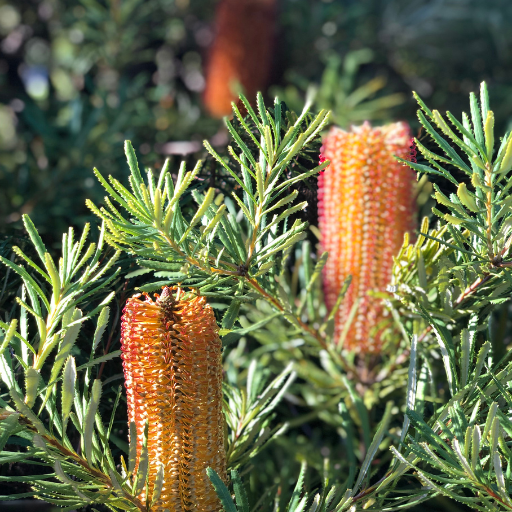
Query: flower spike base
(173, 373)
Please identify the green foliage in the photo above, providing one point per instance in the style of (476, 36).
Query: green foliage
(455, 433)
(61, 401)
(53, 394)
(455, 436)
(339, 92)
(74, 76)
(221, 251)
(249, 413)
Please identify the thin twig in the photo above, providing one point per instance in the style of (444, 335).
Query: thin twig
(102, 477)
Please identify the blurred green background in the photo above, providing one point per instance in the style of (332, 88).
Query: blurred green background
(77, 77)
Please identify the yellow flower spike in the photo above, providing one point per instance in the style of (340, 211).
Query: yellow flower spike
(366, 204)
(173, 376)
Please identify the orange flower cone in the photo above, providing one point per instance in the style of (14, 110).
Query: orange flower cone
(172, 363)
(241, 52)
(366, 205)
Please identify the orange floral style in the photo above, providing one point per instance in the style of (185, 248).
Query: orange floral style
(241, 52)
(171, 354)
(366, 205)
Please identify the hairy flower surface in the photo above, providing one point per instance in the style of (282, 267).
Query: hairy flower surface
(241, 52)
(366, 204)
(172, 363)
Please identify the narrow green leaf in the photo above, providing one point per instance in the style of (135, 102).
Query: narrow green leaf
(32, 380)
(349, 441)
(446, 346)
(90, 419)
(229, 318)
(7, 426)
(411, 385)
(422, 104)
(480, 361)
(208, 198)
(493, 441)
(464, 356)
(233, 336)
(30, 262)
(65, 347)
(489, 134)
(221, 490)
(142, 470)
(114, 480)
(6, 371)
(61, 475)
(282, 202)
(506, 162)
(443, 126)
(34, 237)
(241, 496)
(132, 455)
(372, 450)
(68, 389)
(361, 410)
(466, 198)
(213, 223)
(452, 154)
(241, 144)
(100, 327)
(9, 334)
(298, 490)
(54, 276)
(219, 159)
(131, 157)
(475, 448)
(159, 482)
(22, 407)
(18, 496)
(33, 288)
(476, 119)
(98, 360)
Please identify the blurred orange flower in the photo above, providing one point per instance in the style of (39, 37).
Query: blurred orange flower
(366, 204)
(241, 52)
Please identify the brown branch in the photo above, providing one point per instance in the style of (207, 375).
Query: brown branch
(470, 289)
(312, 332)
(102, 477)
(240, 273)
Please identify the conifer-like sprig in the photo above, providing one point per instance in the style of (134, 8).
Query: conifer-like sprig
(448, 283)
(56, 314)
(479, 214)
(463, 451)
(52, 400)
(230, 248)
(458, 272)
(249, 412)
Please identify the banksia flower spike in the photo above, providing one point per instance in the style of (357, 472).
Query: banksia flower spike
(241, 52)
(366, 204)
(172, 363)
